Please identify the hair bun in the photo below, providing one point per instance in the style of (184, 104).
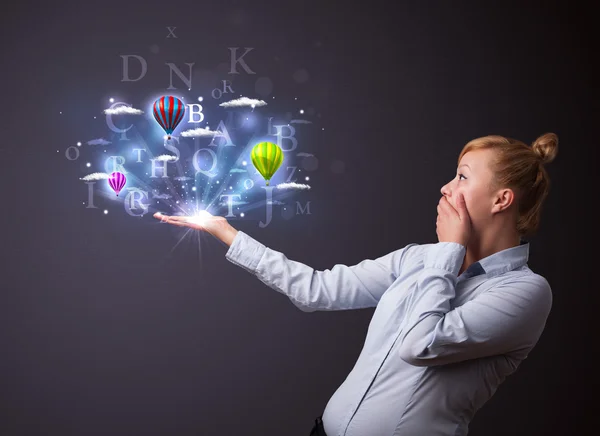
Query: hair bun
(546, 147)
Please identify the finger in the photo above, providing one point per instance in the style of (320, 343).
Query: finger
(169, 218)
(177, 223)
(179, 218)
(448, 208)
(444, 206)
(461, 206)
(161, 217)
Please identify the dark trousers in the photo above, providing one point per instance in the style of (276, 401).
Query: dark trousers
(318, 429)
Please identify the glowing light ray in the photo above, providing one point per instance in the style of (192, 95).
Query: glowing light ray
(180, 239)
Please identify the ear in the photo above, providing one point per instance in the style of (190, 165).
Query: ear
(503, 199)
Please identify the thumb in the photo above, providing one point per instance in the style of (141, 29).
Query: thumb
(461, 205)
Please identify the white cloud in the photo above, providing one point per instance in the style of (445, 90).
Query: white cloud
(199, 132)
(161, 196)
(300, 122)
(244, 101)
(123, 110)
(166, 157)
(95, 176)
(99, 141)
(292, 186)
(182, 178)
(237, 170)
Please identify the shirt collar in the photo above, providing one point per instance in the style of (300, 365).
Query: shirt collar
(500, 262)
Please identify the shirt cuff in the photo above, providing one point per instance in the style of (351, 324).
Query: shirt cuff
(245, 252)
(448, 256)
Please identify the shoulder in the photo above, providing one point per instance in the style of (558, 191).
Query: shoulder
(530, 281)
(527, 288)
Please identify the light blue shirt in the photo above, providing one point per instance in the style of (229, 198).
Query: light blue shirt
(438, 344)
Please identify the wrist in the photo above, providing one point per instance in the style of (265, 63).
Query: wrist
(227, 234)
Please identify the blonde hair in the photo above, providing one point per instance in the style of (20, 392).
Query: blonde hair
(517, 166)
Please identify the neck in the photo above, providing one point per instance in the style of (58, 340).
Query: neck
(484, 244)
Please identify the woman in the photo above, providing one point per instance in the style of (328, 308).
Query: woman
(453, 319)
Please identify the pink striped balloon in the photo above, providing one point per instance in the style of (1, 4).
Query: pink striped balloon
(116, 181)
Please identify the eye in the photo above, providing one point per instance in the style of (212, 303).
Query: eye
(460, 175)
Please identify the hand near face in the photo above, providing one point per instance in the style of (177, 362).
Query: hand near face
(453, 224)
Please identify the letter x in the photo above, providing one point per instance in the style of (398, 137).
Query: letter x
(171, 29)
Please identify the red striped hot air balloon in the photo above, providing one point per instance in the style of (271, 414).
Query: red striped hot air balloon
(117, 181)
(267, 158)
(168, 112)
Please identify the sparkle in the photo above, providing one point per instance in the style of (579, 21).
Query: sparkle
(60, 113)
(307, 178)
(200, 98)
(79, 144)
(217, 181)
(88, 164)
(243, 163)
(112, 100)
(105, 212)
(296, 98)
(242, 215)
(177, 202)
(57, 151)
(200, 218)
(194, 188)
(323, 128)
(94, 117)
(301, 111)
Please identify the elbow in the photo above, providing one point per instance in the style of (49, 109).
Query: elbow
(307, 309)
(411, 355)
(303, 307)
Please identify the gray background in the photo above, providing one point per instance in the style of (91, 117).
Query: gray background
(105, 331)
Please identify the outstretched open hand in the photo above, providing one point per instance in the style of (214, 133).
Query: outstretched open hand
(204, 221)
(453, 224)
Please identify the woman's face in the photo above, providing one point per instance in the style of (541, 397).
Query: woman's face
(473, 179)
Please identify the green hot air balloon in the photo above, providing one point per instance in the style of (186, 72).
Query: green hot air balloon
(267, 158)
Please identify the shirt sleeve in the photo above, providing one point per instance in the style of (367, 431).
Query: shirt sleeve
(341, 288)
(507, 318)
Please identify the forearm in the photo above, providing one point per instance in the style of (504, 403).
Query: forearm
(436, 286)
(339, 288)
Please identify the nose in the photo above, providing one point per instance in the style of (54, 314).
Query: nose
(445, 189)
